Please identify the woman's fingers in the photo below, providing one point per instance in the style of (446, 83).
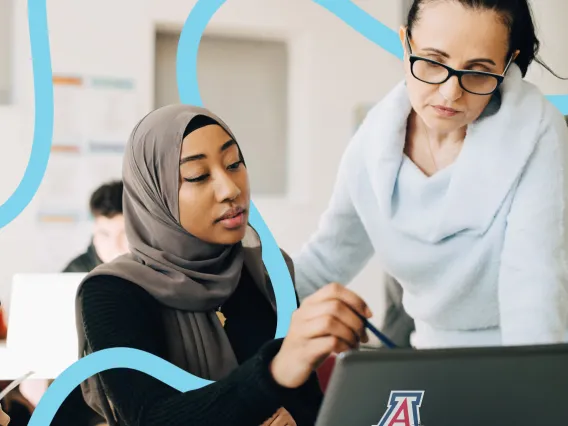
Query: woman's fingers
(330, 325)
(339, 310)
(270, 421)
(326, 322)
(336, 291)
(321, 348)
(283, 418)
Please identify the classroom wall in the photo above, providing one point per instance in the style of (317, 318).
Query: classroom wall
(333, 69)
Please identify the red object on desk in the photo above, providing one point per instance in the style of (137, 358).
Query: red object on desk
(324, 372)
(3, 327)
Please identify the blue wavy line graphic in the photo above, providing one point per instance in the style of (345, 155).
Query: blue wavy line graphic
(271, 255)
(196, 22)
(43, 125)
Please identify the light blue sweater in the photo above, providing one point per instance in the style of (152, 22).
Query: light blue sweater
(480, 247)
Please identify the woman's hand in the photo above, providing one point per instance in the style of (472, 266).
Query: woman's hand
(5, 419)
(281, 418)
(323, 324)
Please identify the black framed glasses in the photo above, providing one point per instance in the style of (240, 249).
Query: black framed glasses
(434, 72)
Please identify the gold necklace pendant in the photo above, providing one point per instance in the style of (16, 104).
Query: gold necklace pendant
(221, 317)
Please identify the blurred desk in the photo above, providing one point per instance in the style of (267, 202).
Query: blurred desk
(13, 366)
(10, 366)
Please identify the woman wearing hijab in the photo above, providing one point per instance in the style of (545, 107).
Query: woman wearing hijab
(194, 291)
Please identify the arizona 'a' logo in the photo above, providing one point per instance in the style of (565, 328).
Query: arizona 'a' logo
(403, 409)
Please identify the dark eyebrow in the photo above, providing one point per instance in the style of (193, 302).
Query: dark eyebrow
(436, 51)
(192, 158)
(228, 144)
(224, 147)
(485, 60)
(445, 55)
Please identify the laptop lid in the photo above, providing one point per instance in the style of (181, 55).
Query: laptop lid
(466, 387)
(41, 327)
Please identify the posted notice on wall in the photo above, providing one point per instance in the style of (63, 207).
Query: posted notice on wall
(93, 119)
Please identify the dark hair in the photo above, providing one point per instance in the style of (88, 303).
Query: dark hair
(107, 200)
(198, 122)
(516, 15)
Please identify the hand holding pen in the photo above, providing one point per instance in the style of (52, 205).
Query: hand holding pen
(382, 338)
(332, 320)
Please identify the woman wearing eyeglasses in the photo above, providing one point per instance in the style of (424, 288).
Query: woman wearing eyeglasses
(455, 182)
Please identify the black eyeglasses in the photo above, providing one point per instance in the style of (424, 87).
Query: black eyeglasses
(434, 72)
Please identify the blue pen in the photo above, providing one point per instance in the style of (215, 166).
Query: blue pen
(384, 339)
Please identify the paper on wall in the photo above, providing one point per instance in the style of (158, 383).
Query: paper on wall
(67, 106)
(112, 114)
(93, 118)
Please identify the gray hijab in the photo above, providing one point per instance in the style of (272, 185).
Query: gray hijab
(189, 277)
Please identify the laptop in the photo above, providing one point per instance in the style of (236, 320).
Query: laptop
(41, 328)
(513, 386)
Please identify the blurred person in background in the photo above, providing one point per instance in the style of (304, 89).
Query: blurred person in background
(455, 181)
(108, 242)
(109, 238)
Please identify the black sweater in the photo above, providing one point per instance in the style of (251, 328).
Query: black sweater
(117, 313)
(85, 262)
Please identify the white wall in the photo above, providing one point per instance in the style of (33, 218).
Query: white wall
(332, 69)
(551, 17)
